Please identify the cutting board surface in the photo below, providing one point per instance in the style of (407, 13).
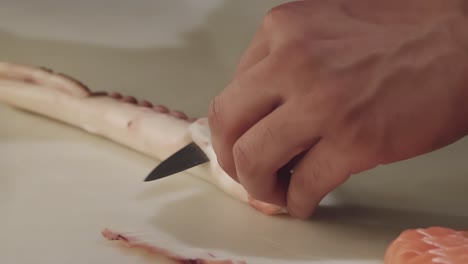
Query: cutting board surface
(59, 186)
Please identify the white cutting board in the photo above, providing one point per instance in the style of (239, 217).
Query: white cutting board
(59, 187)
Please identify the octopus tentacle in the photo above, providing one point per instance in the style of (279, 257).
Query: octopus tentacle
(197, 257)
(122, 119)
(152, 129)
(44, 77)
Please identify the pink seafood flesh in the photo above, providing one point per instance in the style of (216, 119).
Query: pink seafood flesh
(428, 246)
(134, 242)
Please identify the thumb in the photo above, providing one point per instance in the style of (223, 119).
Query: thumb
(320, 171)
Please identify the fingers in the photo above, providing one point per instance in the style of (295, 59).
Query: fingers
(319, 172)
(269, 145)
(245, 101)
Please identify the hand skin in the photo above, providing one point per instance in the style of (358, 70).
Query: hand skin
(348, 85)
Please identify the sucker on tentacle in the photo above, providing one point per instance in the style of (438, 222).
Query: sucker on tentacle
(43, 77)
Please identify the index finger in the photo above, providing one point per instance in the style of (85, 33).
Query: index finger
(245, 101)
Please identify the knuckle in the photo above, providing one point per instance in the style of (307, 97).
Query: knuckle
(298, 53)
(314, 176)
(277, 15)
(214, 114)
(266, 136)
(219, 138)
(246, 151)
(282, 17)
(243, 158)
(272, 16)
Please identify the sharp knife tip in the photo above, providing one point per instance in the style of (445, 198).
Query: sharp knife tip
(155, 175)
(187, 157)
(149, 178)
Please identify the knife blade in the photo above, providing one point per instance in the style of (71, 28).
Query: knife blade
(187, 157)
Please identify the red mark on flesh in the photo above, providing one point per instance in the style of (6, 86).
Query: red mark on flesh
(115, 95)
(160, 109)
(178, 114)
(129, 99)
(145, 103)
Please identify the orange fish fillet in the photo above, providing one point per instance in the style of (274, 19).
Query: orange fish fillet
(438, 245)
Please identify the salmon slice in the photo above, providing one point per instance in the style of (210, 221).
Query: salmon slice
(429, 245)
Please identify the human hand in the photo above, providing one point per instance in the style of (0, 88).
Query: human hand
(344, 86)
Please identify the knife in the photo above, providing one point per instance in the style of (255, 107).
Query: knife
(187, 157)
